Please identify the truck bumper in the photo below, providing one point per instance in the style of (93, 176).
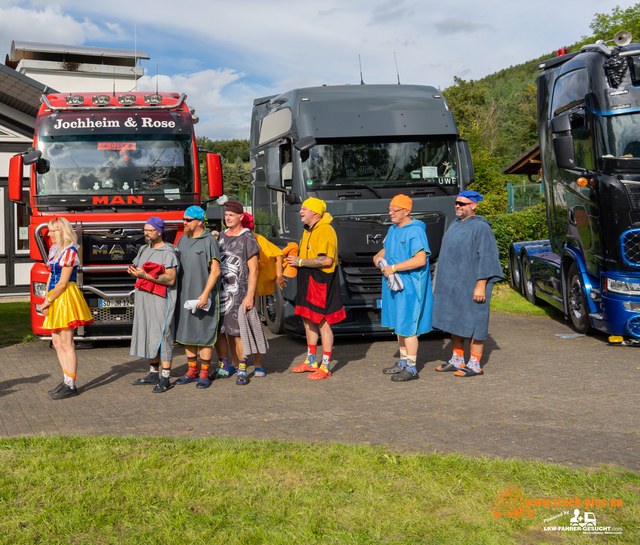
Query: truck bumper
(620, 316)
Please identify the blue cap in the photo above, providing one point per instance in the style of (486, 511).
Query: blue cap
(195, 212)
(157, 223)
(471, 195)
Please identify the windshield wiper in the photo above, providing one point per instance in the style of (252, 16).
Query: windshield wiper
(365, 186)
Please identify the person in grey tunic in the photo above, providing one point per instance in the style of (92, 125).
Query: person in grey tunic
(239, 278)
(198, 297)
(155, 267)
(468, 266)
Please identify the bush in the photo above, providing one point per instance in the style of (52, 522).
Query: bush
(530, 224)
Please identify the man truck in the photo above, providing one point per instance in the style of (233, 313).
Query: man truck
(354, 147)
(589, 135)
(107, 162)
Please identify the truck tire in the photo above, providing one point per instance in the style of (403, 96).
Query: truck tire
(576, 301)
(527, 282)
(274, 311)
(514, 271)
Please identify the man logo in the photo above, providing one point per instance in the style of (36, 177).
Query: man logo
(374, 239)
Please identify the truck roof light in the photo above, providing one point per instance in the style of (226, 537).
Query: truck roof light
(152, 99)
(127, 100)
(75, 100)
(563, 51)
(100, 100)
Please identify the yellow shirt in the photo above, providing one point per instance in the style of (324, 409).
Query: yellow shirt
(321, 239)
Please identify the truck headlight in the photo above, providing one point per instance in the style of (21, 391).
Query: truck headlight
(622, 287)
(39, 289)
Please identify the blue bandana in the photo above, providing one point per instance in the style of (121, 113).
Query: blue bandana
(471, 195)
(194, 212)
(157, 223)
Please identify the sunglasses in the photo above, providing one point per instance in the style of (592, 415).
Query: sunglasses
(460, 203)
(188, 220)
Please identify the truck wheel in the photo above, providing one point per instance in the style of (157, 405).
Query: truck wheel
(274, 311)
(527, 282)
(577, 302)
(514, 272)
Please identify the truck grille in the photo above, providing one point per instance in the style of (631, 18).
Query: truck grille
(104, 316)
(630, 244)
(362, 278)
(633, 190)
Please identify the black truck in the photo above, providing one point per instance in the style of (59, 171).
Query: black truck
(354, 147)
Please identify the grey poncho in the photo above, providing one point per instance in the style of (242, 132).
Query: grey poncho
(196, 254)
(153, 318)
(469, 253)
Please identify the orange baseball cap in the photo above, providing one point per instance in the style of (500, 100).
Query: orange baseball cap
(403, 202)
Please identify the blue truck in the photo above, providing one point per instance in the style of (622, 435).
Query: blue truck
(589, 137)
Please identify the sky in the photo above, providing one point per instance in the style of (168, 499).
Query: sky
(224, 54)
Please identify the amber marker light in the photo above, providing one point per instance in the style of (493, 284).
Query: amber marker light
(582, 182)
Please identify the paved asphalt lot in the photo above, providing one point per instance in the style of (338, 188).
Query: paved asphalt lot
(570, 401)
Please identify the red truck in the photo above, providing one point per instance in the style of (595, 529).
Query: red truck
(107, 162)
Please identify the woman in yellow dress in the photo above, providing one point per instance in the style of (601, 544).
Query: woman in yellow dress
(64, 306)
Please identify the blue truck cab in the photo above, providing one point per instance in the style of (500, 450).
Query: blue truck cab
(589, 136)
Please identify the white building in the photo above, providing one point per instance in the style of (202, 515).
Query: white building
(31, 70)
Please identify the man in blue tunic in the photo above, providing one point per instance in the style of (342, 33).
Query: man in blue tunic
(468, 266)
(406, 293)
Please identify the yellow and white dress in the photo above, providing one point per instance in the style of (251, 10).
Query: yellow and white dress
(69, 310)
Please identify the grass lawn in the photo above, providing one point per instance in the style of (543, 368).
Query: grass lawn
(140, 490)
(505, 299)
(15, 323)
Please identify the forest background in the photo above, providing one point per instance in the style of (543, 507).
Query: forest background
(496, 114)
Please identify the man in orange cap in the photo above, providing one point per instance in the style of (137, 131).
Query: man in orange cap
(468, 266)
(407, 299)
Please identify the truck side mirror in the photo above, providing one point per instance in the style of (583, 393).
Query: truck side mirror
(305, 143)
(565, 152)
(561, 123)
(292, 198)
(467, 172)
(16, 167)
(214, 175)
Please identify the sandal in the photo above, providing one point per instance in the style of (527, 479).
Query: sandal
(448, 367)
(259, 372)
(468, 372)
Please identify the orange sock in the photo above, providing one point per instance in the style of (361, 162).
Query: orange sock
(459, 352)
(193, 368)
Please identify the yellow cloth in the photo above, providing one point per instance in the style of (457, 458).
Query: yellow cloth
(267, 270)
(69, 310)
(316, 205)
(320, 240)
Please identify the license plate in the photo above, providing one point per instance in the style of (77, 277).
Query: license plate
(378, 303)
(111, 303)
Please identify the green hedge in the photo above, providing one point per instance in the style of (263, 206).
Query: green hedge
(530, 224)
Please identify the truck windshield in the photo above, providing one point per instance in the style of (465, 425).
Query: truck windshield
(381, 163)
(113, 164)
(619, 135)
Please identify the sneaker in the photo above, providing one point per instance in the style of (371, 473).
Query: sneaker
(65, 391)
(56, 389)
(243, 379)
(151, 378)
(304, 368)
(186, 379)
(319, 374)
(163, 385)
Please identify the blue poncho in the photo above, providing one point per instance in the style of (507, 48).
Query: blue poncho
(469, 253)
(408, 311)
